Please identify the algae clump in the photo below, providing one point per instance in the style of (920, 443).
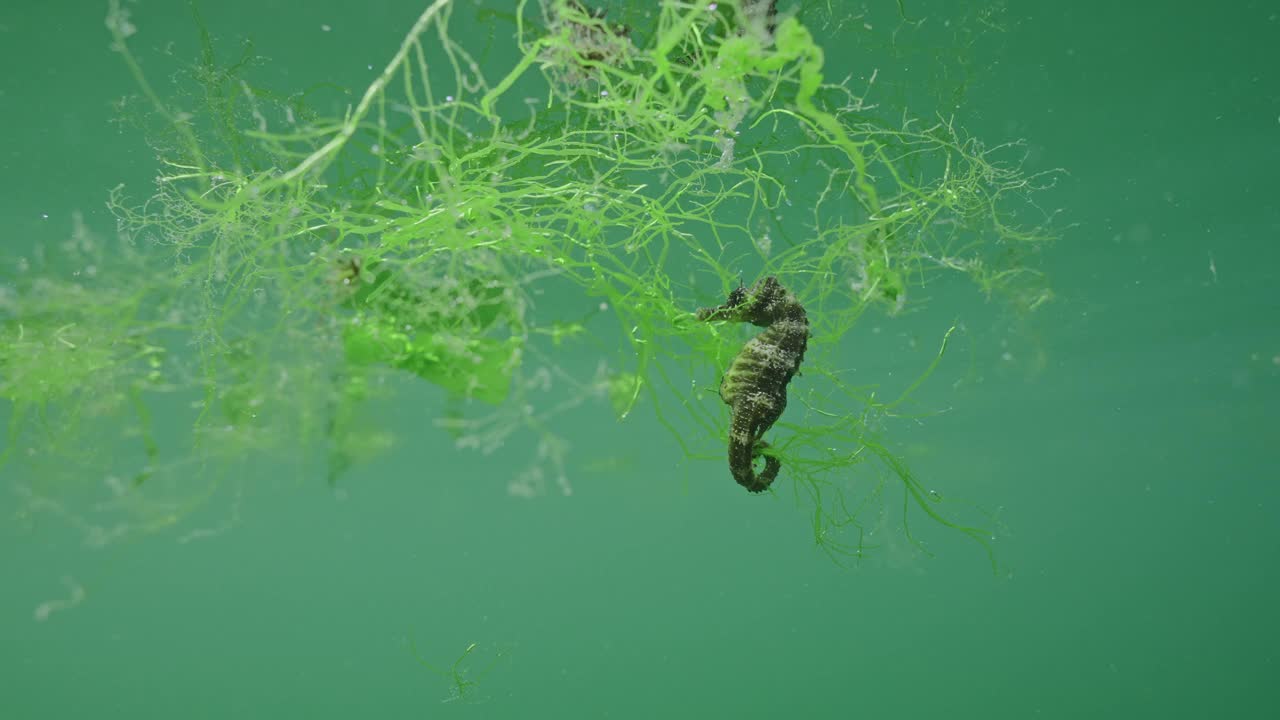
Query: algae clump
(640, 162)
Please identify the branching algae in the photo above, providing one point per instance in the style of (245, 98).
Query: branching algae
(302, 254)
(465, 673)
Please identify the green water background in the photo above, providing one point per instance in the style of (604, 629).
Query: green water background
(1127, 436)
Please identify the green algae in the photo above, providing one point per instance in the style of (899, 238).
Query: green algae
(638, 163)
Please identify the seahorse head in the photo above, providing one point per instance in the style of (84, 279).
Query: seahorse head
(763, 304)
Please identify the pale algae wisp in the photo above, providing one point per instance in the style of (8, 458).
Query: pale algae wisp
(638, 164)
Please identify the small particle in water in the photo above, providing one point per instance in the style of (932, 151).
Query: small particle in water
(326, 27)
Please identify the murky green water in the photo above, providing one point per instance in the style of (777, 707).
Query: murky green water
(233, 513)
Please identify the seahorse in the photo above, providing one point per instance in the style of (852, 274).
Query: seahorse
(755, 385)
